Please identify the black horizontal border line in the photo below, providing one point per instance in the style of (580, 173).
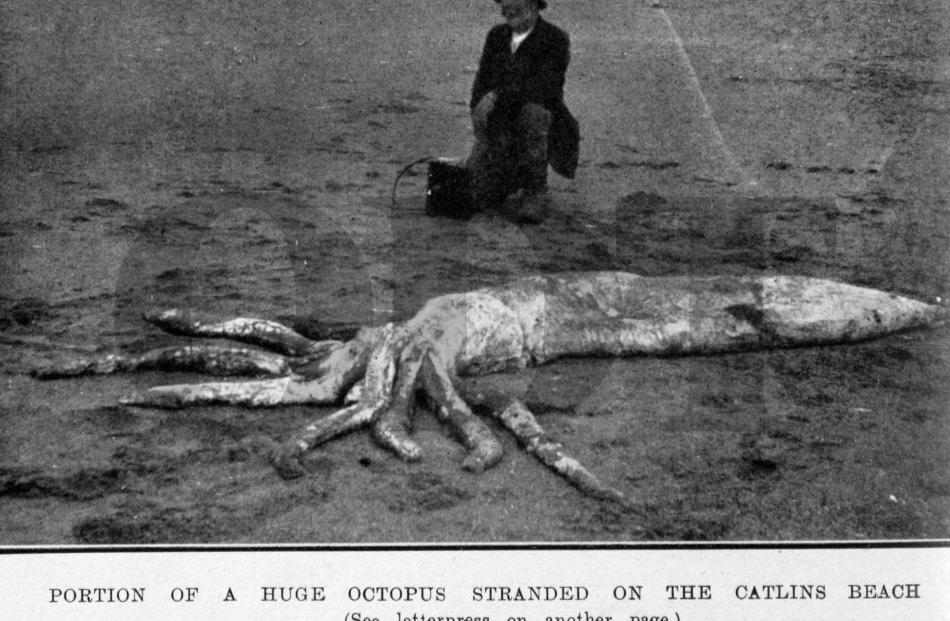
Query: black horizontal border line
(477, 547)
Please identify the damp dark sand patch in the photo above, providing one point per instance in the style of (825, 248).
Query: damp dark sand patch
(427, 491)
(82, 485)
(158, 525)
(23, 312)
(228, 512)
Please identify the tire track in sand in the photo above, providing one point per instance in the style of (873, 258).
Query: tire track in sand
(653, 108)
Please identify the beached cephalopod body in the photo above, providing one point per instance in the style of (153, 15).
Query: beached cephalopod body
(381, 374)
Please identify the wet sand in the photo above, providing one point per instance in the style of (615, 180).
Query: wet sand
(239, 158)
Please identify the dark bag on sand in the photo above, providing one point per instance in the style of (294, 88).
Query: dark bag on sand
(449, 190)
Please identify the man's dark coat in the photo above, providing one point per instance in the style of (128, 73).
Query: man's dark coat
(533, 74)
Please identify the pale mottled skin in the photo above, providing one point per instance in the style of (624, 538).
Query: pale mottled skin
(527, 322)
(537, 319)
(263, 332)
(199, 358)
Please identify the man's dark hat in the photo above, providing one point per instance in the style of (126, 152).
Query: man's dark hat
(541, 4)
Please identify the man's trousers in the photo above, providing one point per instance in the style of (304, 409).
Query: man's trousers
(510, 157)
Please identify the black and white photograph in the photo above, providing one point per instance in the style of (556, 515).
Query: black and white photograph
(474, 271)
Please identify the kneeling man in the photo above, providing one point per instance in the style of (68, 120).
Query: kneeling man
(521, 123)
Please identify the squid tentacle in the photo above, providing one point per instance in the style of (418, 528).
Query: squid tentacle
(207, 359)
(522, 423)
(484, 448)
(376, 394)
(393, 425)
(265, 333)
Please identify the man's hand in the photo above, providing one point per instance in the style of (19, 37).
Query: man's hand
(484, 108)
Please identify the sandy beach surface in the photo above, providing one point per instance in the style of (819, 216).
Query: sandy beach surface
(239, 156)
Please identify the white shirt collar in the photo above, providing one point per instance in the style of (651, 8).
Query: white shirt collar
(518, 39)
